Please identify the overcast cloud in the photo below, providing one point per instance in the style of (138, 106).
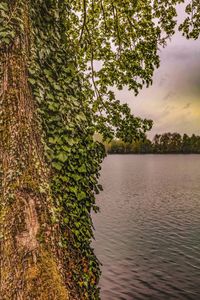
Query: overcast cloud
(173, 101)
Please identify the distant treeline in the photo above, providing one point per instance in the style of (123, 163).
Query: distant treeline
(162, 143)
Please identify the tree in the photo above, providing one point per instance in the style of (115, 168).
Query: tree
(186, 147)
(176, 142)
(156, 143)
(165, 141)
(53, 100)
(170, 143)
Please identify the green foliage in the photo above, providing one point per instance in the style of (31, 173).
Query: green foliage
(10, 25)
(81, 50)
(140, 146)
(175, 143)
(165, 143)
(68, 134)
(191, 25)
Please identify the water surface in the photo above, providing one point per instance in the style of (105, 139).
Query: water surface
(148, 231)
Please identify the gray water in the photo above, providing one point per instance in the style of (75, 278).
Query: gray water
(148, 231)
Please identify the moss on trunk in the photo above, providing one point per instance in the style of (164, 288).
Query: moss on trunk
(31, 264)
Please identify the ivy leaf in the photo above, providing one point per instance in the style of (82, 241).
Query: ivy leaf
(4, 6)
(66, 148)
(32, 81)
(56, 87)
(50, 96)
(82, 169)
(100, 187)
(6, 40)
(58, 166)
(69, 140)
(81, 195)
(62, 156)
(53, 106)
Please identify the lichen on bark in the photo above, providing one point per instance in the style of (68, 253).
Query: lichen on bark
(31, 267)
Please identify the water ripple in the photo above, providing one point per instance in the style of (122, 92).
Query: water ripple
(148, 231)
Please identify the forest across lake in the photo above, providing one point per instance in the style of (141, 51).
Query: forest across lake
(165, 143)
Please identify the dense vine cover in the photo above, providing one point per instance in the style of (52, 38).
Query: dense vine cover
(79, 51)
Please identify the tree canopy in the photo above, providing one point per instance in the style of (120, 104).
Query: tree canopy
(166, 143)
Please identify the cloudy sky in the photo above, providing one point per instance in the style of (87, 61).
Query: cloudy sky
(173, 101)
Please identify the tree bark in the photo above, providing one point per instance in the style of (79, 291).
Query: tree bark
(31, 265)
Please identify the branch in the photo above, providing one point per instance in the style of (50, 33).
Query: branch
(84, 20)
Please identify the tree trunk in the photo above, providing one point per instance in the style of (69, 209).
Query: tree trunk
(31, 266)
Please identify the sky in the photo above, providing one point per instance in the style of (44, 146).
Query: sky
(173, 101)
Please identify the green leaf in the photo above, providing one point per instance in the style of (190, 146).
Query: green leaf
(32, 81)
(66, 148)
(4, 34)
(50, 96)
(82, 169)
(69, 140)
(100, 187)
(53, 106)
(4, 6)
(62, 157)
(56, 87)
(58, 166)
(81, 195)
(6, 41)
(52, 140)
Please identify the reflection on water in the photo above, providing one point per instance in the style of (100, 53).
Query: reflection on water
(148, 231)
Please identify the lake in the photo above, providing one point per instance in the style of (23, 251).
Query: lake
(148, 231)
